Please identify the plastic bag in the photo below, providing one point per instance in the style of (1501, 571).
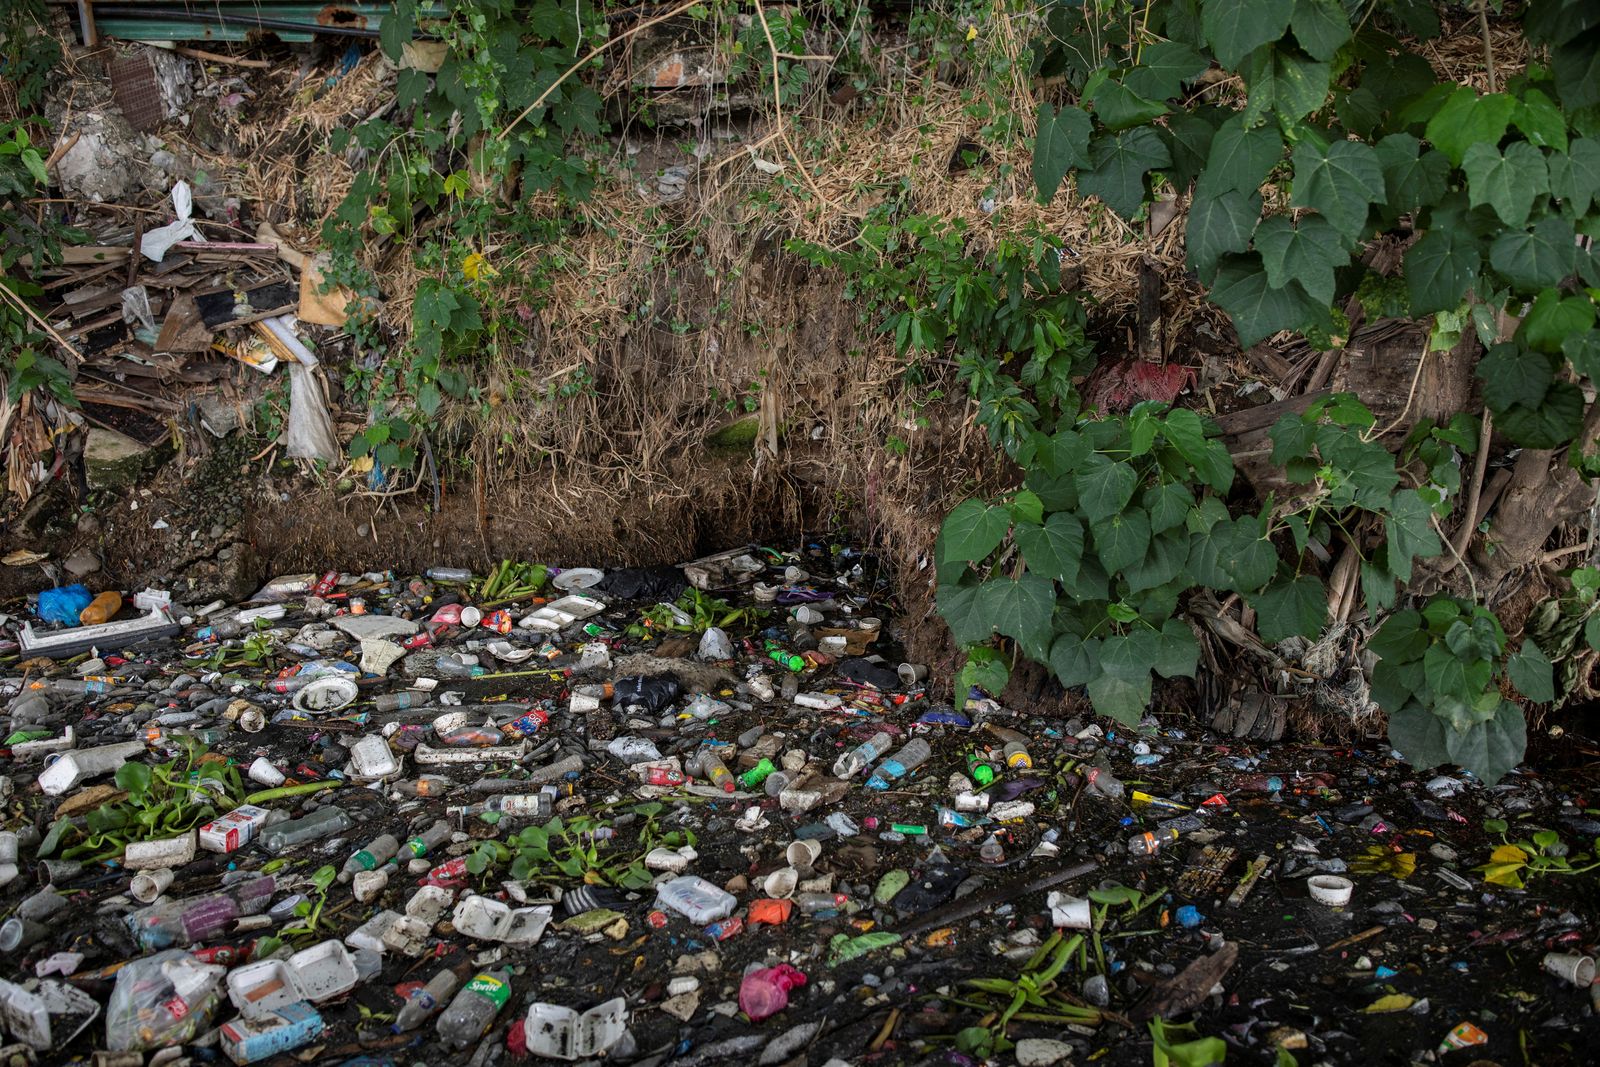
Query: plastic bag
(162, 1000)
(641, 583)
(310, 431)
(63, 605)
(155, 243)
(651, 693)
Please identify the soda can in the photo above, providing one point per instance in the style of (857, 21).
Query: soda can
(528, 723)
(325, 584)
(664, 776)
(657, 919)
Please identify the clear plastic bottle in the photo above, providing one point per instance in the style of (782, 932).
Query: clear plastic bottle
(473, 1010)
(324, 822)
(811, 903)
(425, 1001)
(539, 806)
(765, 993)
(429, 839)
(860, 758)
(911, 756)
(380, 851)
(710, 767)
(1150, 842)
(399, 701)
(1101, 782)
(448, 574)
(429, 785)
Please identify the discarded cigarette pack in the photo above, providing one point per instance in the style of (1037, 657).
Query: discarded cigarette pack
(233, 831)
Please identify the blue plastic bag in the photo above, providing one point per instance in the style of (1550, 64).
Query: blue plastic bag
(63, 605)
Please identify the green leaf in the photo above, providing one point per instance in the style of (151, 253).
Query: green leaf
(1235, 28)
(1553, 319)
(1163, 68)
(1439, 269)
(1576, 66)
(1189, 135)
(1020, 608)
(1291, 608)
(1241, 157)
(134, 778)
(1284, 83)
(1531, 672)
(1409, 531)
(1257, 309)
(1053, 549)
(1320, 26)
(1164, 562)
(1411, 178)
(1591, 631)
(1512, 375)
(1063, 452)
(1449, 675)
(1467, 119)
(1575, 176)
(1509, 183)
(1121, 540)
(1491, 749)
(1025, 506)
(1232, 556)
(1553, 424)
(395, 30)
(1535, 259)
(1062, 145)
(1167, 505)
(1401, 639)
(1540, 121)
(1177, 653)
(1119, 107)
(1418, 735)
(1123, 699)
(1074, 660)
(1307, 253)
(1218, 224)
(1583, 351)
(1340, 182)
(986, 669)
(973, 530)
(1120, 162)
(964, 612)
(1104, 487)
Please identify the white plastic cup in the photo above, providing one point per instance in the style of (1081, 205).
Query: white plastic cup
(264, 772)
(803, 855)
(911, 673)
(1570, 967)
(1069, 912)
(1330, 890)
(781, 883)
(148, 885)
(471, 616)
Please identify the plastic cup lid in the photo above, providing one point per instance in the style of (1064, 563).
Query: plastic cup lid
(577, 578)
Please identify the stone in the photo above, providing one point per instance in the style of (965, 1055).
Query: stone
(112, 460)
(1041, 1051)
(82, 563)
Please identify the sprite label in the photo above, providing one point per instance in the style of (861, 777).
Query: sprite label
(487, 985)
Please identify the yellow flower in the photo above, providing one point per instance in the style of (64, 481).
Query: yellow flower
(972, 31)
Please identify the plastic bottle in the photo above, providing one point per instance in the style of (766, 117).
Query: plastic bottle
(473, 1010)
(101, 609)
(784, 658)
(455, 666)
(324, 822)
(765, 993)
(981, 772)
(757, 774)
(425, 1001)
(713, 770)
(811, 903)
(1150, 842)
(1102, 782)
(429, 785)
(400, 701)
(861, 757)
(431, 838)
(911, 755)
(380, 851)
(515, 806)
(448, 574)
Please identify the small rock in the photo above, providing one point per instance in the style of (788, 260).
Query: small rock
(1041, 1051)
